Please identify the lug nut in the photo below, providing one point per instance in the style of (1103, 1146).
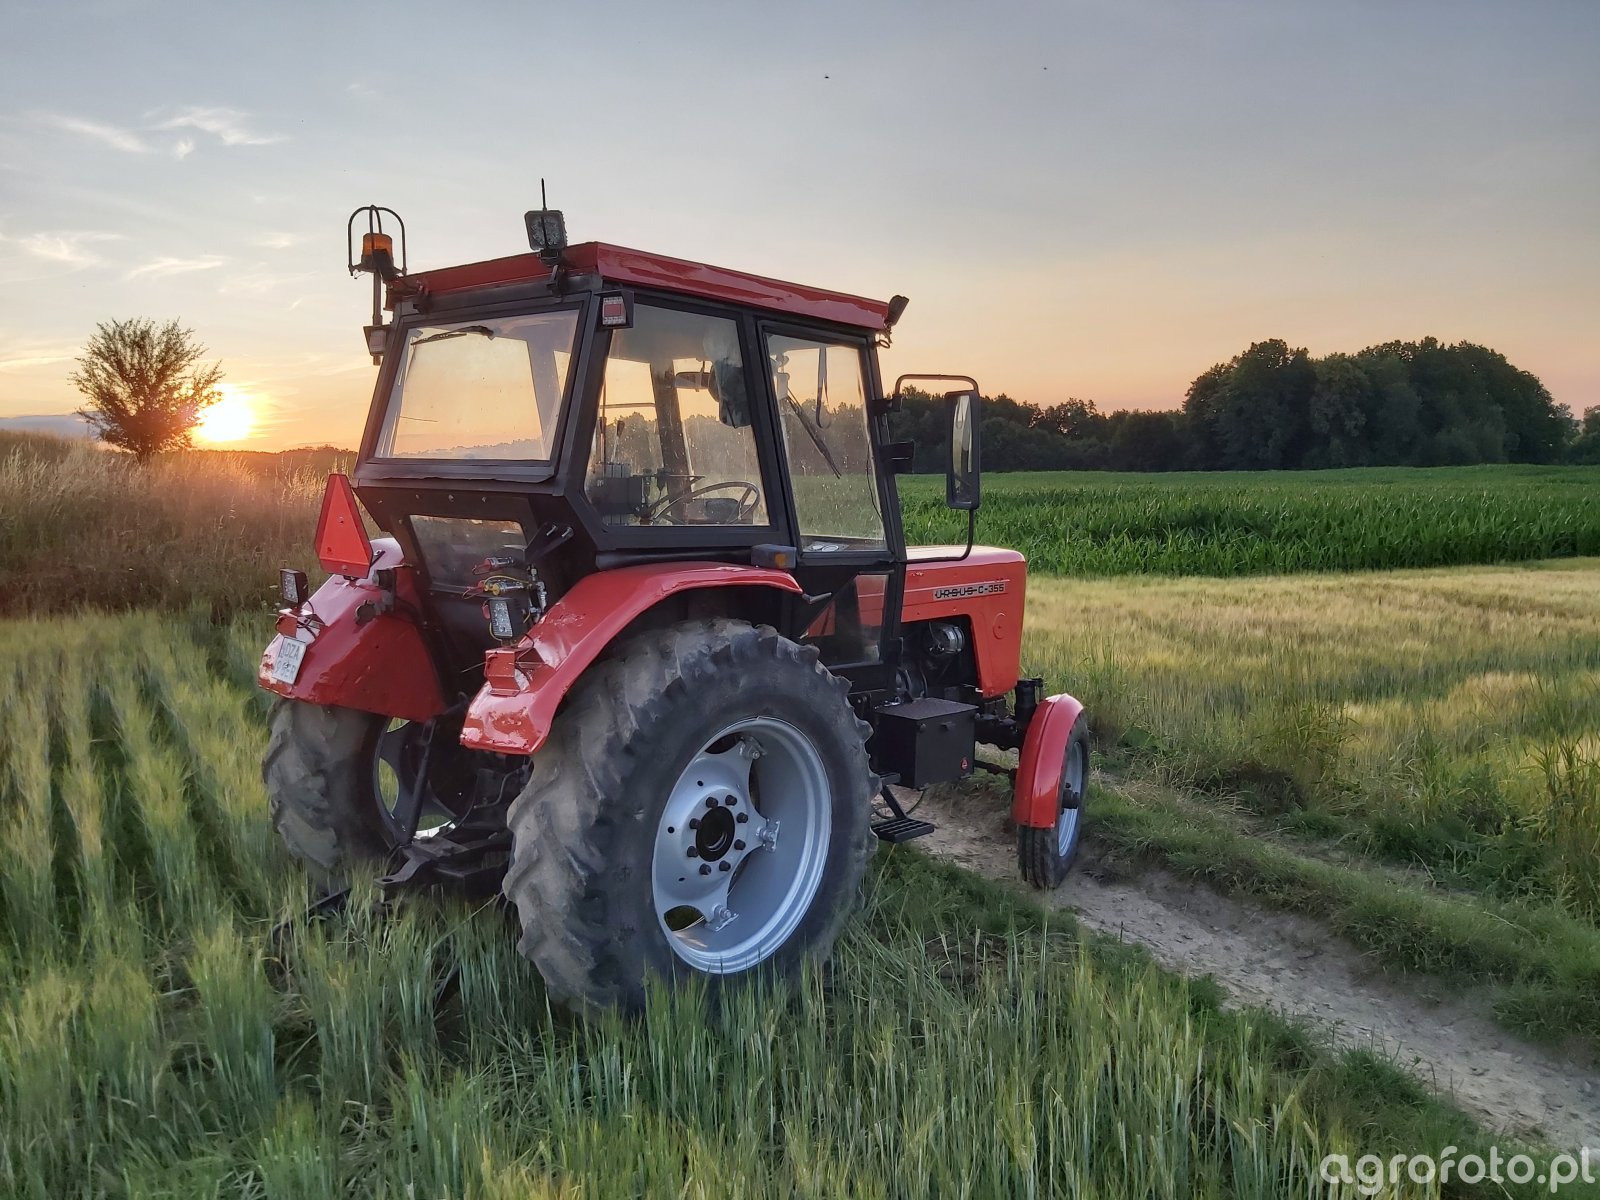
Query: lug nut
(705, 868)
(694, 852)
(730, 801)
(694, 822)
(738, 845)
(724, 865)
(742, 818)
(711, 801)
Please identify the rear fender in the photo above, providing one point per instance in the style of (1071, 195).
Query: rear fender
(1044, 758)
(525, 684)
(382, 666)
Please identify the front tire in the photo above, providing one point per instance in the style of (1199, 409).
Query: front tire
(1046, 855)
(638, 844)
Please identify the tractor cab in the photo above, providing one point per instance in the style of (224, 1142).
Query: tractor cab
(639, 503)
(598, 407)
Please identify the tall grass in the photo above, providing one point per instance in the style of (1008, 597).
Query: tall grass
(961, 1044)
(82, 528)
(1448, 720)
(87, 528)
(1256, 523)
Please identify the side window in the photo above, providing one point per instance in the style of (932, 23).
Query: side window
(673, 444)
(822, 410)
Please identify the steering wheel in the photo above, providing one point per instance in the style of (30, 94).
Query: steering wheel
(749, 501)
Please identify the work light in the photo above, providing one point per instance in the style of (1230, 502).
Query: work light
(293, 586)
(547, 229)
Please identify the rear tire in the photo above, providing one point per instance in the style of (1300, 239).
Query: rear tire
(1046, 855)
(317, 774)
(602, 847)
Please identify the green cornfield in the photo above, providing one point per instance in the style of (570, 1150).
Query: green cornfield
(1240, 523)
(162, 1036)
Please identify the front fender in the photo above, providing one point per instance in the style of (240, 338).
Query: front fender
(525, 684)
(382, 666)
(1044, 757)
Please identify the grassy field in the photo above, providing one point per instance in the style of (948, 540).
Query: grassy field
(82, 528)
(1445, 722)
(85, 528)
(1245, 523)
(157, 1041)
(1410, 756)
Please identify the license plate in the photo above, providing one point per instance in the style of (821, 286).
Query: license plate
(286, 664)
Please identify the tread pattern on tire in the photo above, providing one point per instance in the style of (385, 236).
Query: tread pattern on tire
(312, 776)
(579, 804)
(1036, 854)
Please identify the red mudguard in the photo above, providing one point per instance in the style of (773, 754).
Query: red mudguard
(380, 667)
(524, 684)
(1044, 757)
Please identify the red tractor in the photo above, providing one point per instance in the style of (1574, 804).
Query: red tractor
(644, 646)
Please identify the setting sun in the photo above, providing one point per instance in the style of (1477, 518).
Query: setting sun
(230, 419)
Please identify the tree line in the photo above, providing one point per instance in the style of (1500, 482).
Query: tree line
(1278, 408)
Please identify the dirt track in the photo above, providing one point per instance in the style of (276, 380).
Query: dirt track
(1293, 965)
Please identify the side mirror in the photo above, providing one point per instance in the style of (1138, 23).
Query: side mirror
(961, 489)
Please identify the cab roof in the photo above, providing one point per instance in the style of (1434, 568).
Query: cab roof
(621, 266)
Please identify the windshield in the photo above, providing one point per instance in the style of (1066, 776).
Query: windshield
(480, 389)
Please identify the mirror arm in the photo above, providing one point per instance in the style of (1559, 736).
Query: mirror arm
(972, 525)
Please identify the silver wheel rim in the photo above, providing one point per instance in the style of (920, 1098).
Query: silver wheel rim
(741, 846)
(1074, 776)
(387, 765)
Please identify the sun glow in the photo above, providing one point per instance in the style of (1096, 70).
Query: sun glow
(230, 419)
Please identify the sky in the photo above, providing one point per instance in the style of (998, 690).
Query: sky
(1090, 198)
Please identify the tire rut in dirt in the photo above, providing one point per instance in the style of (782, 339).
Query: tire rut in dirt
(584, 828)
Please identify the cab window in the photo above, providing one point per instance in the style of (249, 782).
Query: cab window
(673, 443)
(487, 389)
(822, 410)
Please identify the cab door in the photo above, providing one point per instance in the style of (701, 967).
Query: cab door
(824, 385)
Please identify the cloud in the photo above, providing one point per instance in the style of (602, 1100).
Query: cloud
(227, 124)
(160, 268)
(60, 424)
(257, 281)
(183, 148)
(110, 135)
(71, 249)
(25, 354)
(362, 92)
(275, 241)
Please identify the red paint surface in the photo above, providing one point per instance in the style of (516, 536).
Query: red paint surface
(1044, 758)
(342, 544)
(995, 616)
(381, 667)
(617, 264)
(524, 684)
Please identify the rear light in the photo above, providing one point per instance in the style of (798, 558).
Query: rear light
(294, 587)
(616, 311)
(343, 547)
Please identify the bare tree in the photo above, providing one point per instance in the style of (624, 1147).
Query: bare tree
(145, 384)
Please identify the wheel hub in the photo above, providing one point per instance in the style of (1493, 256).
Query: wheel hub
(728, 890)
(714, 837)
